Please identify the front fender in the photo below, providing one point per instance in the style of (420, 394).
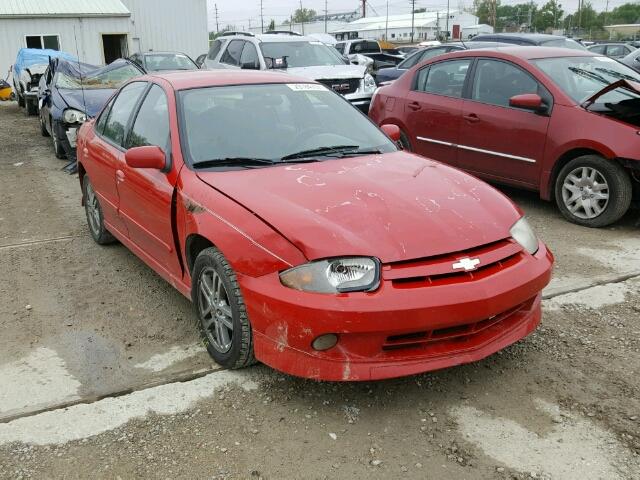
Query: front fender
(250, 245)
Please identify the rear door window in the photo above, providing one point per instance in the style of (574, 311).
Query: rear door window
(232, 55)
(443, 78)
(215, 49)
(121, 110)
(249, 56)
(598, 49)
(616, 51)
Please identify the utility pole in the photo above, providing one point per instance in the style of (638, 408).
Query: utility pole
(364, 8)
(447, 32)
(326, 13)
(217, 23)
(579, 15)
(437, 24)
(413, 16)
(529, 19)
(386, 25)
(302, 17)
(606, 12)
(261, 18)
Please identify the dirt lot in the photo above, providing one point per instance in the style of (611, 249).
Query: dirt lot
(84, 326)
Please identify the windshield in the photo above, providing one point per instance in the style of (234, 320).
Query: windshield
(563, 43)
(271, 122)
(302, 54)
(168, 61)
(583, 77)
(109, 79)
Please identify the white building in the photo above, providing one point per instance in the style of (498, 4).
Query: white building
(99, 31)
(397, 28)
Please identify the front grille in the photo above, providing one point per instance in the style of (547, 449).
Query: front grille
(439, 270)
(452, 336)
(343, 86)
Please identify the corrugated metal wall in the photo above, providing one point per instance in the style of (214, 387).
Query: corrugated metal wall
(87, 32)
(169, 25)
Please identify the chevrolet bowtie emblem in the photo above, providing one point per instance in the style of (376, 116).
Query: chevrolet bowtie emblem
(467, 263)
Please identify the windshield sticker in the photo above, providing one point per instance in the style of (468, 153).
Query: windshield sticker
(306, 87)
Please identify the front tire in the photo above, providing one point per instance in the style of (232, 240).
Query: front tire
(43, 127)
(95, 219)
(57, 146)
(593, 191)
(223, 322)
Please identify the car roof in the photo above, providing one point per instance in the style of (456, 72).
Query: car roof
(185, 79)
(534, 37)
(279, 37)
(527, 52)
(153, 52)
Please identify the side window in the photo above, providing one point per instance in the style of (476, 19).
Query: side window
(444, 78)
(249, 56)
(496, 82)
(151, 126)
(340, 47)
(598, 49)
(103, 118)
(433, 52)
(121, 111)
(410, 61)
(233, 52)
(215, 49)
(616, 51)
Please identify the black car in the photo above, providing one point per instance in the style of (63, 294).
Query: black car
(393, 73)
(613, 50)
(539, 39)
(162, 61)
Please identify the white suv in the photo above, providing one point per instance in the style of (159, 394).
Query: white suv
(295, 54)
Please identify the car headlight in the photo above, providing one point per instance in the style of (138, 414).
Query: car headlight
(524, 235)
(368, 83)
(74, 116)
(334, 275)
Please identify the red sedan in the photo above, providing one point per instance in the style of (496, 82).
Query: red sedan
(561, 122)
(304, 238)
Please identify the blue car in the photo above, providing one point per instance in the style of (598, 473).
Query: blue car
(70, 92)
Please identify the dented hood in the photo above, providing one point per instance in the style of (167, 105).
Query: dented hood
(626, 84)
(396, 206)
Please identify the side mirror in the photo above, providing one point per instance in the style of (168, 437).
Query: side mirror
(391, 131)
(528, 101)
(146, 157)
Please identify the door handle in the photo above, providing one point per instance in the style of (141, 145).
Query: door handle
(415, 106)
(471, 118)
(119, 176)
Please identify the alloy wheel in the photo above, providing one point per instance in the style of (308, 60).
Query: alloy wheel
(93, 210)
(215, 312)
(585, 192)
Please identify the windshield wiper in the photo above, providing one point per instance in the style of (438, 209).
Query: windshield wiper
(247, 162)
(332, 151)
(615, 74)
(588, 74)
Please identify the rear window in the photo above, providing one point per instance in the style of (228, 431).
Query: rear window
(563, 43)
(215, 49)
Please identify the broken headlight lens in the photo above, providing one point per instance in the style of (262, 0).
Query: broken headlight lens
(524, 235)
(74, 116)
(368, 83)
(334, 275)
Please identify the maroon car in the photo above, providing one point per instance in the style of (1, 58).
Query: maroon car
(561, 122)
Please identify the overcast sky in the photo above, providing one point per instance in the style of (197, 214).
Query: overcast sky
(239, 12)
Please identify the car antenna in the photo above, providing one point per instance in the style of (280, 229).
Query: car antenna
(84, 102)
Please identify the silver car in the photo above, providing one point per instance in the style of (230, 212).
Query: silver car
(296, 54)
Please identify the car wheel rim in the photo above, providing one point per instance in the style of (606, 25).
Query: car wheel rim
(55, 142)
(93, 210)
(585, 193)
(215, 311)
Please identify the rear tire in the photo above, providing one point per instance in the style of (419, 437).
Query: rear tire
(43, 127)
(20, 100)
(593, 191)
(93, 211)
(31, 108)
(222, 316)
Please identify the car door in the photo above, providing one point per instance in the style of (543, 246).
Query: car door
(616, 51)
(231, 56)
(497, 140)
(433, 108)
(106, 153)
(145, 193)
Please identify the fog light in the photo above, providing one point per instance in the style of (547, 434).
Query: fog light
(325, 342)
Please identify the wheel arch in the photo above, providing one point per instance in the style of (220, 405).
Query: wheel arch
(194, 244)
(549, 186)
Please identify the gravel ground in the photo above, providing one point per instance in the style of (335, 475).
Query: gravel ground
(81, 321)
